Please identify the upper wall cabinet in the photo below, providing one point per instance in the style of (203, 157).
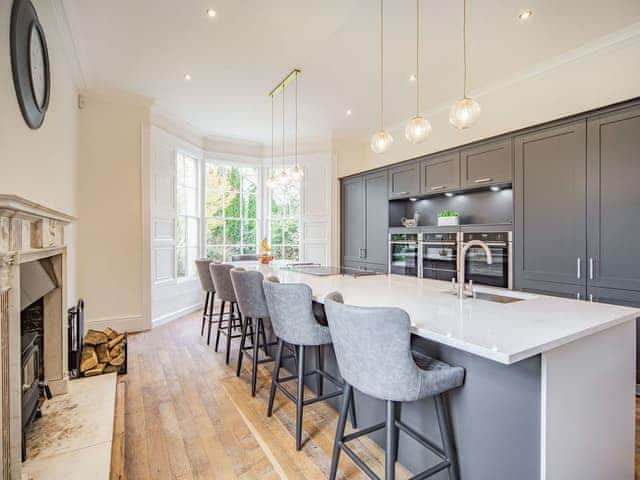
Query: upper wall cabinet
(613, 196)
(404, 180)
(487, 164)
(440, 174)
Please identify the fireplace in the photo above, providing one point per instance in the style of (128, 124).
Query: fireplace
(33, 326)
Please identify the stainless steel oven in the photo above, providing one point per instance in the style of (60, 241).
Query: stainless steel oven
(500, 272)
(439, 255)
(403, 254)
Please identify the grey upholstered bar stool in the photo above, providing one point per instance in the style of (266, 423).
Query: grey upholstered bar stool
(291, 314)
(207, 286)
(220, 273)
(373, 350)
(253, 307)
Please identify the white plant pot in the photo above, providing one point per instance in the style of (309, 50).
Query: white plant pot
(448, 221)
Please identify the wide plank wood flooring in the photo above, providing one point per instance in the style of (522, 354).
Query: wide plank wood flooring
(187, 416)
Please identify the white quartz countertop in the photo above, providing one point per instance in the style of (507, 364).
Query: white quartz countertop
(505, 333)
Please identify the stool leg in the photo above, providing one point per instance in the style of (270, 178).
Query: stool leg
(264, 338)
(242, 343)
(390, 447)
(211, 302)
(447, 435)
(256, 345)
(300, 398)
(219, 325)
(320, 366)
(275, 377)
(352, 410)
(347, 392)
(229, 333)
(204, 313)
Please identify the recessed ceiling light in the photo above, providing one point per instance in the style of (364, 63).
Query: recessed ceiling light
(448, 194)
(525, 14)
(495, 188)
(412, 78)
(187, 77)
(348, 112)
(211, 12)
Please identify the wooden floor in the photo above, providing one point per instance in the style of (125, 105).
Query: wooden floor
(187, 416)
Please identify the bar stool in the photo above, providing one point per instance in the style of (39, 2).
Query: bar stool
(224, 288)
(373, 350)
(290, 311)
(207, 286)
(253, 307)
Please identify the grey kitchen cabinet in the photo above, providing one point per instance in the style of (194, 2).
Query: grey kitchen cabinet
(440, 173)
(404, 180)
(376, 218)
(487, 164)
(365, 221)
(613, 196)
(550, 209)
(353, 219)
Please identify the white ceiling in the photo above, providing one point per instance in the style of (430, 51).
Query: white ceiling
(145, 47)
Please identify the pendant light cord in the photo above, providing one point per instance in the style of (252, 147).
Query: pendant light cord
(272, 137)
(296, 128)
(381, 65)
(417, 58)
(282, 129)
(464, 45)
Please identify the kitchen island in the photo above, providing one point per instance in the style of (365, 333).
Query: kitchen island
(550, 382)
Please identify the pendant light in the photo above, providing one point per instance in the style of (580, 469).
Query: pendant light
(282, 178)
(418, 128)
(466, 111)
(271, 182)
(381, 140)
(296, 171)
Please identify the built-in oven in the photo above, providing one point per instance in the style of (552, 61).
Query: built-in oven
(403, 254)
(499, 273)
(439, 255)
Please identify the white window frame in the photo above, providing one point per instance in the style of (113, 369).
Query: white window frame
(198, 217)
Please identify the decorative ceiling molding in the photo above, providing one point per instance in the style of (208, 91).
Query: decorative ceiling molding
(68, 43)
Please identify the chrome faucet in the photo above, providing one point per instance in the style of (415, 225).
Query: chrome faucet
(463, 255)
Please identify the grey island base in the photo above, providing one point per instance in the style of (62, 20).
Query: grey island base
(550, 382)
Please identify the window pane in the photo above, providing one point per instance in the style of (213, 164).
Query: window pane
(190, 172)
(232, 232)
(181, 206)
(276, 208)
(276, 252)
(192, 232)
(233, 179)
(181, 256)
(276, 232)
(249, 250)
(291, 253)
(215, 231)
(230, 251)
(180, 170)
(249, 232)
(192, 256)
(181, 232)
(214, 191)
(249, 180)
(249, 205)
(191, 197)
(232, 205)
(291, 236)
(215, 253)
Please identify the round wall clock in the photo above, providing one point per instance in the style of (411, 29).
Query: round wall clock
(30, 63)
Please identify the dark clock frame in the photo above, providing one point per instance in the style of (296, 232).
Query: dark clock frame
(23, 19)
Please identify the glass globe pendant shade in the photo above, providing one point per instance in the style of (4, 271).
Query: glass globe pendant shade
(296, 173)
(418, 129)
(464, 113)
(381, 141)
(271, 181)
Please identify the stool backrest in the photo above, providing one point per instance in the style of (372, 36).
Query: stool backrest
(249, 293)
(243, 258)
(291, 313)
(373, 348)
(204, 273)
(222, 281)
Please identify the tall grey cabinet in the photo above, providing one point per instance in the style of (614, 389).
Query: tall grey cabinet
(365, 221)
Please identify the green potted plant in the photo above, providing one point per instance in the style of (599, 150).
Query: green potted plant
(447, 218)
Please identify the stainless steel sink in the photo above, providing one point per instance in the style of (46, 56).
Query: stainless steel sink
(496, 298)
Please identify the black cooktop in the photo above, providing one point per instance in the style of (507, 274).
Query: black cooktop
(326, 271)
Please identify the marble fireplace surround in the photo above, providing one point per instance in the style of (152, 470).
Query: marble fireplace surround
(29, 232)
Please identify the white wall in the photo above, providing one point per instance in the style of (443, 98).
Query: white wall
(41, 165)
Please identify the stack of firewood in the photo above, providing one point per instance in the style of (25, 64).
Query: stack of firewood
(103, 352)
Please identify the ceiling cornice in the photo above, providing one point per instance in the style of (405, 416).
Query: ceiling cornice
(69, 44)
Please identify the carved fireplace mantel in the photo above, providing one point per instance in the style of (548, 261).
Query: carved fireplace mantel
(28, 232)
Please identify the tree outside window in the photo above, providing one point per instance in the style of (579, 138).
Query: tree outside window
(188, 215)
(284, 221)
(231, 211)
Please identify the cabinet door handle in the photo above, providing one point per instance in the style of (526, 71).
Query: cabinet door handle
(483, 180)
(590, 268)
(364, 253)
(579, 268)
(439, 187)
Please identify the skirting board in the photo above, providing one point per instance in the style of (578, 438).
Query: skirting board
(156, 322)
(125, 323)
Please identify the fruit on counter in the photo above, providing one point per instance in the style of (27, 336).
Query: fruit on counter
(264, 245)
